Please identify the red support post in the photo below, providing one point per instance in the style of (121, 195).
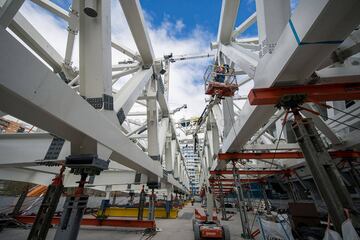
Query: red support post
(131, 223)
(251, 172)
(282, 155)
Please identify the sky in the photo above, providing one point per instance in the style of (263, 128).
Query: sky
(174, 26)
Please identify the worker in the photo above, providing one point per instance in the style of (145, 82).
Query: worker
(220, 73)
(227, 68)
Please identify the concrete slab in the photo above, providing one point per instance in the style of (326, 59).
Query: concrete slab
(173, 229)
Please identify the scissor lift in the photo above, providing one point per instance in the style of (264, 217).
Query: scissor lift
(204, 227)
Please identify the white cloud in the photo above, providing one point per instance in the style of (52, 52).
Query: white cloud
(186, 84)
(179, 25)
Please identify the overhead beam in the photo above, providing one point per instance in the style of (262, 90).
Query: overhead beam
(266, 147)
(249, 172)
(47, 102)
(271, 121)
(242, 180)
(128, 94)
(282, 155)
(311, 93)
(135, 18)
(8, 11)
(115, 76)
(321, 125)
(27, 33)
(127, 51)
(53, 8)
(242, 57)
(229, 11)
(341, 74)
(244, 25)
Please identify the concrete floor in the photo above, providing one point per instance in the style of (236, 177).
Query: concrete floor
(173, 229)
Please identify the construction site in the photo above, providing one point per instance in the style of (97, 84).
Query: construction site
(144, 119)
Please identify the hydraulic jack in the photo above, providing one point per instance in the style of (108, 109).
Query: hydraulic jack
(323, 169)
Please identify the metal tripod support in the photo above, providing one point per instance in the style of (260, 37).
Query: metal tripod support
(326, 176)
(266, 200)
(248, 196)
(354, 174)
(242, 208)
(152, 199)
(222, 200)
(142, 200)
(20, 201)
(47, 209)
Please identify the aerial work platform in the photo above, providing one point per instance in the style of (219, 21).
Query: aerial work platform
(220, 80)
(221, 89)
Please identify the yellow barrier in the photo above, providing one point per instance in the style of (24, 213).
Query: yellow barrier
(133, 212)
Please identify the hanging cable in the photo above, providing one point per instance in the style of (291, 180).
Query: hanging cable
(337, 109)
(279, 138)
(345, 124)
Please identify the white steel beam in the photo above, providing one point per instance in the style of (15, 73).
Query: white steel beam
(128, 94)
(8, 11)
(338, 74)
(168, 153)
(228, 115)
(267, 147)
(311, 22)
(321, 125)
(107, 177)
(163, 103)
(136, 21)
(244, 59)
(173, 154)
(163, 129)
(152, 120)
(263, 129)
(272, 17)
(25, 175)
(53, 8)
(127, 51)
(219, 118)
(118, 75)
(73, 30)
(124, 66)
(20, 149)
(27, 33)
(229, 11)
(244, 25)
(47, 102)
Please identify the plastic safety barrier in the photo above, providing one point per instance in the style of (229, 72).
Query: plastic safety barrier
(276, 230)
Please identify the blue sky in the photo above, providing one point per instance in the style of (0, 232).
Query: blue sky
(200, 13)
(203, 13)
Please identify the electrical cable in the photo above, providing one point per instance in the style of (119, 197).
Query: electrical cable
(337, 109)
(278, 142)
(348, 125)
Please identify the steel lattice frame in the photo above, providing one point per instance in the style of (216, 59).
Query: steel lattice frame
(306, 46)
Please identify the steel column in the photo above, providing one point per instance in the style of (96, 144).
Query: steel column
(95, 54)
